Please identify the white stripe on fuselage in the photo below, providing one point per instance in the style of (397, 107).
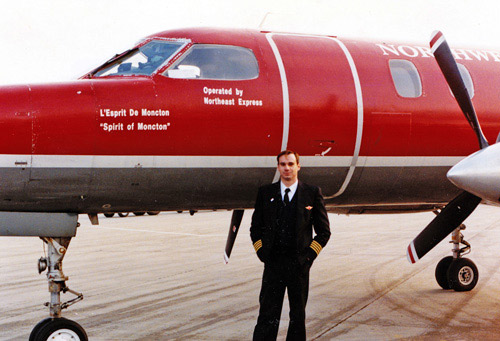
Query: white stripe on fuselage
(284, 87)
(148, 161)
(286, 98)
(360, 118)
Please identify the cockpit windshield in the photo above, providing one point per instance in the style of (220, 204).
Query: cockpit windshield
(140, 61)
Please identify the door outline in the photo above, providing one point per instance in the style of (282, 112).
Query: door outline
(286, 105)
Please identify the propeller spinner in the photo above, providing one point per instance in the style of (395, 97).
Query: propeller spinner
(479, 174)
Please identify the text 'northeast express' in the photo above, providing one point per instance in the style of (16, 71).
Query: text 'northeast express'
(230, 97)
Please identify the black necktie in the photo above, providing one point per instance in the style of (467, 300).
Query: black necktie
(287, 199)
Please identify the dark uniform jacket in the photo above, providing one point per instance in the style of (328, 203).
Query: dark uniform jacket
(311, 213)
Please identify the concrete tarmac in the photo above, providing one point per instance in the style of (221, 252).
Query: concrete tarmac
(163, 278)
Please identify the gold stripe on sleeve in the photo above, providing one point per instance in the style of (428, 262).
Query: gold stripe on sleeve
(257, 245)
(316, 247)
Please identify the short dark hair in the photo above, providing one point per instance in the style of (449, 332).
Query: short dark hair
(288, 152)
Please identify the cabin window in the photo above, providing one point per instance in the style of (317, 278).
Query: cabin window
(406, 78)
(221, 62)
(467, 79)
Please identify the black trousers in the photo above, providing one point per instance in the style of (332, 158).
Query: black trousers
(280, 273)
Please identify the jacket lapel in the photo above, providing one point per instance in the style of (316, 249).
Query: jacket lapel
(300, 204)
(275, 202)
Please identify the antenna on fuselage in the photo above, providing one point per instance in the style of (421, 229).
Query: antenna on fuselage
(263, 21)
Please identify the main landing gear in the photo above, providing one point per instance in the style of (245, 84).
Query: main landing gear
(455, 272)
(56, 327)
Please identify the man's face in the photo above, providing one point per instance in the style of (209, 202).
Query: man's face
(288, 168)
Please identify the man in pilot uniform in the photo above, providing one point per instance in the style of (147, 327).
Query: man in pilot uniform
(282, 234)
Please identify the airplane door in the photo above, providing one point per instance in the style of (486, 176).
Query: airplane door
(323, 108)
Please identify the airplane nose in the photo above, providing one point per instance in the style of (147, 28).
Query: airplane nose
(479, 173)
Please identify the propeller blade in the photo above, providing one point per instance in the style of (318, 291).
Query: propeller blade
(449, 68)
(233, 232)
(442, 225)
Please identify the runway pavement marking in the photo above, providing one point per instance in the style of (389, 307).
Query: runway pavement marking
(399, 282)
(165, 232)
(382, 294)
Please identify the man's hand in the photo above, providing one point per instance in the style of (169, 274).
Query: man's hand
(307, 256)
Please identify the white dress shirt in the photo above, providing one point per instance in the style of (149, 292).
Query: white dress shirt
(293, 189)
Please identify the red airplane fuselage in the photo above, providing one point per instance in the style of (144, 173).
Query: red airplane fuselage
(125, 140)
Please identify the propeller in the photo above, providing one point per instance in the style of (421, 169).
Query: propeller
(465, 203)
(233, 232)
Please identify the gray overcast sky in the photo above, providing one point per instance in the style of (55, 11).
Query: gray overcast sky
(61, 40)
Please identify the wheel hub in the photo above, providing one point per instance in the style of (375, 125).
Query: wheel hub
(63, 335)
(466, 275)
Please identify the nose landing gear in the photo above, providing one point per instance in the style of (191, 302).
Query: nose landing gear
(455, 272)
(56, 327)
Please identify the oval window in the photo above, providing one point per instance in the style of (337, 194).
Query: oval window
(406, 78)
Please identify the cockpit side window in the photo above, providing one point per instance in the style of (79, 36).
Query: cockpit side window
(221, 62)
(141, 61)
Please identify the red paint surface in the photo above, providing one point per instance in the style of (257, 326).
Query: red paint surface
(66, 118)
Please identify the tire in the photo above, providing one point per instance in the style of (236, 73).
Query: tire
(108, 215)
(123, 214)
(37, 328)
(58, 328)
(442, 272)
(139, 213)
(462, 275)
(153, 212)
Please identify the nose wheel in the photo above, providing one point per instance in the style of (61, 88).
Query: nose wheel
(455, 272)
(57, 329)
